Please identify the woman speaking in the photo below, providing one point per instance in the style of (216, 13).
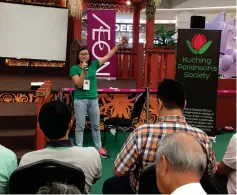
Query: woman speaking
(86, 95)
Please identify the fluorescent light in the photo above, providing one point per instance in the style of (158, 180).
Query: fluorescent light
(198, 8)
(130, 21)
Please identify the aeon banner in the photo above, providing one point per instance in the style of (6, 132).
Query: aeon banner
(101, 39)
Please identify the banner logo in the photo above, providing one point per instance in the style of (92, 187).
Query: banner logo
(199, 44)
(101, 39)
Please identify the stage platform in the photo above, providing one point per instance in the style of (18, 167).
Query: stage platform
(17, 89)
(22, 83)
(18, 105)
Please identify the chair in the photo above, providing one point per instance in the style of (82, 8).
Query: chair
(147, 181)
(125, 124)
(210, 184)
(28, 179)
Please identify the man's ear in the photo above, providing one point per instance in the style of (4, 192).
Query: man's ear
(159, 104)
(163, 165)
(70, 124)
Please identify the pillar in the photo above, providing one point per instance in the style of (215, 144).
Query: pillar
(136, 26)
(135, 44)
(150, 27)
(77, 28)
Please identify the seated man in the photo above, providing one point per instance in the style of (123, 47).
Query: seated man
(140, 148)
(8, 164)
(180, 163)
(55, 120)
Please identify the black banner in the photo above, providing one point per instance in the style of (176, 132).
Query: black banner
(197, 67)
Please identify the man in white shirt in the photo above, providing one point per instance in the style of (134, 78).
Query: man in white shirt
(55, 120)
(227, 167)
(180, 163)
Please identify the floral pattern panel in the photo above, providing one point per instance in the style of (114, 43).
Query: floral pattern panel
(121, 105)
(111, 104)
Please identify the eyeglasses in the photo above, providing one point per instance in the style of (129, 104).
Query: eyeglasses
(83, 54)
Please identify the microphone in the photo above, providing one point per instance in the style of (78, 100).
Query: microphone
(86, 68)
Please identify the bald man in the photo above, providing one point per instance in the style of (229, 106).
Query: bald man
(180, 163)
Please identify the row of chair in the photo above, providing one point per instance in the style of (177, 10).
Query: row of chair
(117, 123)
(28, 179)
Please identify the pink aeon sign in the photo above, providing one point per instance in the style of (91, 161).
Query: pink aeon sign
(101, 39)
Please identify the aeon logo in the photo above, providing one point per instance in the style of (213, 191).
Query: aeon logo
(103, 31)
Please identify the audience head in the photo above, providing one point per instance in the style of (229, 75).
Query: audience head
(58, 188)
(55, 120)
(180, 160)
(170, 96)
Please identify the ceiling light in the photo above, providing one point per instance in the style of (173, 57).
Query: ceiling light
(128, 2)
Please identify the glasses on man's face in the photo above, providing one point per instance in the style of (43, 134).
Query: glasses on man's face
(83, 54)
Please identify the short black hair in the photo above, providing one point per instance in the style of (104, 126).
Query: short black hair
(90, 56)
(54, 119)
(171, 93)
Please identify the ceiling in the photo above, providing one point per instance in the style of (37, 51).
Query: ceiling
(174, 4)
(170, 4)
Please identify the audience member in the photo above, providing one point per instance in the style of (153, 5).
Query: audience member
(58, 188)
(225, 178)
(140, 148)
(55, 120)
(8, 164)
(180, 163)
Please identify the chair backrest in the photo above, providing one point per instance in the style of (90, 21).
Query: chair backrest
(28, 179)
(71, 99)
(147, 181)
(138, 106)
(209, 185)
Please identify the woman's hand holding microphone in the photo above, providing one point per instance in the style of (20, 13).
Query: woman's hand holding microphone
(84, 66)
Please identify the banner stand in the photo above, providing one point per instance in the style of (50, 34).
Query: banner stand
(147, 90)
(197, 67)
(147, 103)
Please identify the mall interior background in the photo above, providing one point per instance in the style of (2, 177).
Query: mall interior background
(172, 14)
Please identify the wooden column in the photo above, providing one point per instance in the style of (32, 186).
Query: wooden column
(135, 44)
(136, 27)
(150, 25)
(77, 28)
(43, 96)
